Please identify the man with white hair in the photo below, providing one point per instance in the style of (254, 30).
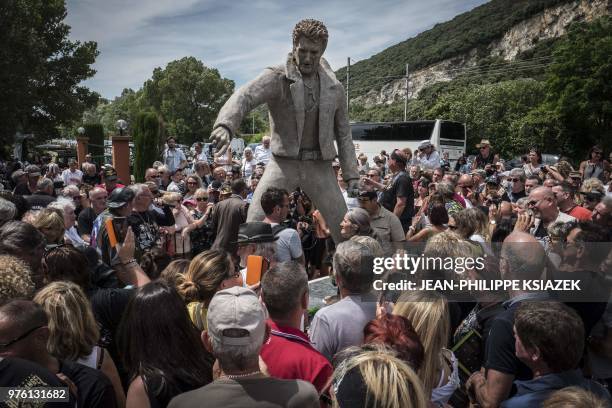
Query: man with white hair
(97, 198)
(236, 332)
(263, 152)
(145, 221)
(68, 210)
(517, 185)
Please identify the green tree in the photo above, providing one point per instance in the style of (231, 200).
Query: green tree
(40, 69)
(188, 96)
(490, 111)
(579, 84)
(95, 133)
(146, 140)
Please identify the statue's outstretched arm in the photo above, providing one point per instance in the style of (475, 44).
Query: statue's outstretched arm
(262, 89)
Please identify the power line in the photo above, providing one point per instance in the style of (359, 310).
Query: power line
(525, 62)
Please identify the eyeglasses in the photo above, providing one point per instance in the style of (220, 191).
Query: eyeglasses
(514, 180)
(201, 198)
(23, 336)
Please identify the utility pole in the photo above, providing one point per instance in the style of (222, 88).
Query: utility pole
(406, 100)
(348, 100)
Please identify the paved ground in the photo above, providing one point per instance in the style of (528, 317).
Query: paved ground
(319, 288)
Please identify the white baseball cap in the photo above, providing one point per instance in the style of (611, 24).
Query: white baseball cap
(236, 308)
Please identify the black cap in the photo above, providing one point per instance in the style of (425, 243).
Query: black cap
(119, 197)
(255, 232)
(110, 174)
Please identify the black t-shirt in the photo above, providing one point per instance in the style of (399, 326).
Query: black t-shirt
(39, 200)
(15, 372)
(500, 349)
(400, 187)
(146, 227)
(86, 220)
(108, 306)
(94, 388)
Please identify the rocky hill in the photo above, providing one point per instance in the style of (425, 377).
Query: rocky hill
(501, 30)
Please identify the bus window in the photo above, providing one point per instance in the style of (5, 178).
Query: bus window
(452, 130)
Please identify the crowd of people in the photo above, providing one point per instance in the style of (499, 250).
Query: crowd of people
(135, 293)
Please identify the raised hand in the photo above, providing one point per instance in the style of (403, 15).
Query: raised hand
(221, 138)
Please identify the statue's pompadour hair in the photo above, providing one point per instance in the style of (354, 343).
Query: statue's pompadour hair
(314, 30)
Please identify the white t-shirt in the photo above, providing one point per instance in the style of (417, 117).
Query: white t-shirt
(262, 154)
(72, 178)
(247, 167)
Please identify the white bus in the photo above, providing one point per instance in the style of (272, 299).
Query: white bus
(372, 137)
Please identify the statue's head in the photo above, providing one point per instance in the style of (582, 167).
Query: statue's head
(309, 43)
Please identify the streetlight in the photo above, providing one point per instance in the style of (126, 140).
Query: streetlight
(81, 131)
(121, 126)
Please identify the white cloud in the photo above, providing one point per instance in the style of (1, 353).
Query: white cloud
(240, 37)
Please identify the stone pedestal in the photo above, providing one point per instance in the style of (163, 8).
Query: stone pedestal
(121, 157)
(82, 148)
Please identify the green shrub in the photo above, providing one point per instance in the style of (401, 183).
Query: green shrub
(146, 141)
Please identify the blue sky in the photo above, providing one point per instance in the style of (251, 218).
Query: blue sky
(238, 37)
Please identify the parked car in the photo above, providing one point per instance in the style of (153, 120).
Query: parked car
(547, 159)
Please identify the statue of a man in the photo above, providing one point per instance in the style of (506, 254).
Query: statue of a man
(307, 114)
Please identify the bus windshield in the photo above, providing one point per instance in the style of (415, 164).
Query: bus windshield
(399, 131)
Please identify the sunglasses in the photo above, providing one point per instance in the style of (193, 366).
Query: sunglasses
(23, 336)
(514, 180)
(202, 199)
(483, 147)
(453, 227)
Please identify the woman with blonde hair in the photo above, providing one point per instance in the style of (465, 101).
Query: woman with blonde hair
(74, 333)
(574, 397)
(50, 221)
(372, 376)
(429, 315)
(208, 273)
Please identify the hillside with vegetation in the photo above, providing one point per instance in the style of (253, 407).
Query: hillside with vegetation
(475, 29)
(554, 96)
